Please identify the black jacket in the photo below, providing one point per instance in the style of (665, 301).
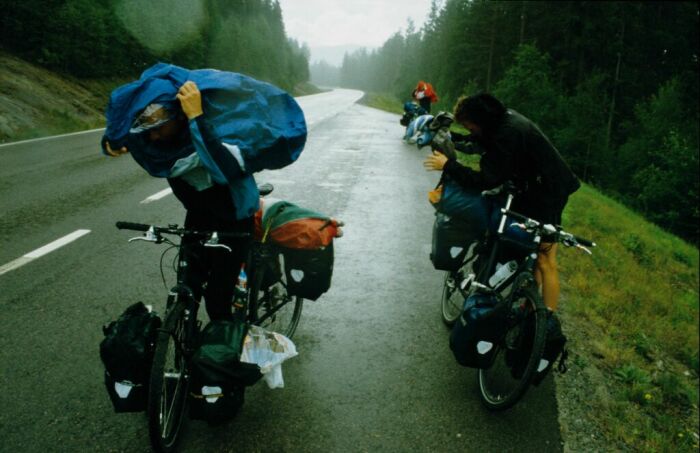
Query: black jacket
(518, 151)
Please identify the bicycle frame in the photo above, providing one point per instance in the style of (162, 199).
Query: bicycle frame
(494, 243)
(262, 256)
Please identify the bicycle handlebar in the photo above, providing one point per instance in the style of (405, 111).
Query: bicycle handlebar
(132, 226)
(560, 233)
(175, 230)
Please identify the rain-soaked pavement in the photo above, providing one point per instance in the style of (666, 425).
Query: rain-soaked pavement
(374, 371)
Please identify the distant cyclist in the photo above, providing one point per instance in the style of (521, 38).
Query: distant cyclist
(424, 94)
(514, 149)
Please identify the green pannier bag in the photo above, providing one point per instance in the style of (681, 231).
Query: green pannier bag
(219, 377)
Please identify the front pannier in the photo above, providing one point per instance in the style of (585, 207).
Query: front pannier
(477, 331)
(308, 272)
(127, 354)
(219, 377)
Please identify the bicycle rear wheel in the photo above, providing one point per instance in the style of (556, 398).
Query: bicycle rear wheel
(167, 397)
(274, 308)
(518, 353)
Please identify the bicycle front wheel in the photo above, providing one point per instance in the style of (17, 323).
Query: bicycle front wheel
(167, 397)
(273, 307)
(518, 353)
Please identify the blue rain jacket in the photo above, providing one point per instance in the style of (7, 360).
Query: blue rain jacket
(264, 122)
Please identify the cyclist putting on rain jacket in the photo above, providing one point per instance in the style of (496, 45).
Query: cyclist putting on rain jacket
(166, 127)
(516, 150)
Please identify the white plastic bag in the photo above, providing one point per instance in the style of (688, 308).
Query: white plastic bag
(268, 350)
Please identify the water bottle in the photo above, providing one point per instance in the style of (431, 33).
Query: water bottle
(241, 288)
(242, 284)
(502, 273)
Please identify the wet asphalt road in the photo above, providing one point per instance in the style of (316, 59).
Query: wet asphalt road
(374, 371)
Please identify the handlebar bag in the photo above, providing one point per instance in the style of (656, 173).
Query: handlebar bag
(475, 334)
(127, 354)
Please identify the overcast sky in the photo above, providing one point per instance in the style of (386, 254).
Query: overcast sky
(366, 23)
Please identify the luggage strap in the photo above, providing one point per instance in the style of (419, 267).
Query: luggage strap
(269, 224)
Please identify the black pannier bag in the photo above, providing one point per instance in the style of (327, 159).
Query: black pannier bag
(479, 328)
(451, 241)
(127, 354)
(308, 272)
(553, 348)
(218, 377)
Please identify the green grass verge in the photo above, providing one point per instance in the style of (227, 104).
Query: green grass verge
(637, 300)
(384, 102)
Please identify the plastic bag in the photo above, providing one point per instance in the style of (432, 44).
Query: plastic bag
(268, 350)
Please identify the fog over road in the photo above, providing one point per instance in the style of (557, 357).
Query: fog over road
(374, 371)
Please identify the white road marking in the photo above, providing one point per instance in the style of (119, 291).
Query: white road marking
(48, 248)
(51, 137)
(157, 196)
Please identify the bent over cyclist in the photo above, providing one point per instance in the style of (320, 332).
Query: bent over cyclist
(514, 149)
(210, 205)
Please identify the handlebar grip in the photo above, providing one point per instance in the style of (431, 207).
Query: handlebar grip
(132, 226)
(517, 216)
(584, 242)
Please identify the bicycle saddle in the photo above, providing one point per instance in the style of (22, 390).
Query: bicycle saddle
(265, 189)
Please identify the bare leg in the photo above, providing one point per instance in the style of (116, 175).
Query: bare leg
(547, 275)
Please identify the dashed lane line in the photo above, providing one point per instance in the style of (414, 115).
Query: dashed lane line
(157, 196)
(48, 248)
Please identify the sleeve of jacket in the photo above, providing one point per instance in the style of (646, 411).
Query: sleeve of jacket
(495, 168)
(224, 162)
(457, 137)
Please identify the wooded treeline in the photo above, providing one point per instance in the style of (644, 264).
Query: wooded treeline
(613, 84)
(88, 38)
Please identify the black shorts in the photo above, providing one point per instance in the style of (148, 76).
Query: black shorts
(546, 213)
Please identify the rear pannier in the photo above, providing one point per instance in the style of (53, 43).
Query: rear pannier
(305, 239)
(308, 272)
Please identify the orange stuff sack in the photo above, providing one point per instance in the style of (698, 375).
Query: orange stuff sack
(428, 90)
(294, 227)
